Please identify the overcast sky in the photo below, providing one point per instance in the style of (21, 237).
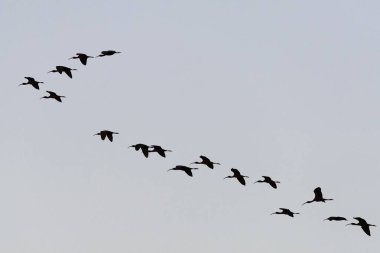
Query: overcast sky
(288, 89)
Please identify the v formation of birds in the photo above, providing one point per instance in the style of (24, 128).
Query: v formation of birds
(147, 149)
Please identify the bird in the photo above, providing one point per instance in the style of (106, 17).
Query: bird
(106, 133)
(61, 69)
(269, 181)
(54, 96)
(108, 53)
(286, 212)
(206, 162)
(144, 148)
(363, 224)
(318, 196)
(159, 150)
(238, 176)
(185, 169)
(335, 218)
(82, 57)
(32, 82)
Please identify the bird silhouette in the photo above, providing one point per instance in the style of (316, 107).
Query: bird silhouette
(185, 169)
(82, 57)
(61, 69)
(363, 224)
(106, 133)
(159, 150)
(206, 162)
(238, 176)
(269, 181)
(32, 82)
(144, 148)
(318, 196)
(335, 218)
(54, 96)
(108, 53)
(286, 212)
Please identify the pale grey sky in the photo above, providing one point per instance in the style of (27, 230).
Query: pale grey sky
(288, 89)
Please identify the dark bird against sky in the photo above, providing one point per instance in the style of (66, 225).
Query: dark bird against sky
(82, 57)
(106, 133)
(54, 95)
(269, 181)
(144, 148)
(185, 169)
(32, 82)
(206, 162)
(238, 176)
(318, 196)
(61, 69)
(108, 53)
(363, 224)
(285, 211)
(159, 150)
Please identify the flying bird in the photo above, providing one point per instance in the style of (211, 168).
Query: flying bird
(318, 196)
(185, 169)
(285, 211)
(335, 218)
(108, 53)
(106, 133)
(82, 57)
(238, 176)
(32, 82)
(54, 96)
(61, 69)
(144, 148)
(159, 150)
(363, 224)
(269, 181)
(206, 162)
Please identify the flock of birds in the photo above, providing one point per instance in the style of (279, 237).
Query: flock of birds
(147, 149)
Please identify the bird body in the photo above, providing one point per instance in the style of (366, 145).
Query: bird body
(363, 224)
(61, 69)
(144, 148)
(108, 53)
(238, 176)
(185, 169)
(318, 196)
(206, 162)
(32, 82)
(106, 133)
(285, 211)
(269, 181)
(335, 218)
(159, 150)
(54, 96)
(82, 57)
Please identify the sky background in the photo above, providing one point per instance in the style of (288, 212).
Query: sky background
(288, 89)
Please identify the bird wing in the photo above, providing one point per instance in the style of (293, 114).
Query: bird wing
(188, 172)
(361, 220)
(109, 135)
(30, 79)
(103, 135)
(318, 193)
(145, 150)
(68, 72)
(35, 85)
(366, 229)
(236, 172)
(241, 180)
(51, 93)
(161, 152)
(83, 59)
(58, 99)
(273, 184)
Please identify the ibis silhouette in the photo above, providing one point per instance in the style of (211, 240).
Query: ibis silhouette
(82, 57)
(54, 95)
(285, 211)
(269, 181)
(238, 176)
(159, 150)
(106, 133)
(32, 82)
(62, 69)
(335, 218)
(108, 53)
(318, 196)
(185, 169)
(206, 162)
(144, 148)
(363, 224)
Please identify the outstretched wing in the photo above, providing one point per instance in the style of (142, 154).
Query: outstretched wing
(273, 184)
(30, 79)
(241, 180)
(236, 172)
(161, 152)
(366, 230)
(145, 150)
(83, 59)
(109, 135)
(318, 193)
(68, 72)
(103, 135)
(188, 172)
(35, 85)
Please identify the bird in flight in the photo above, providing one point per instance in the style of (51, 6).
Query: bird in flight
(335, 218)
(185, 169)
(238, 176)
(82, 57)
(318, 196)
(54, 96)
(32, 82)
(269, 181)
(363, 224)
(106, 133)
(61, 69)
(108, 53)
(285, 211)
(144, 148)
(159, 150)
(206, 162)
